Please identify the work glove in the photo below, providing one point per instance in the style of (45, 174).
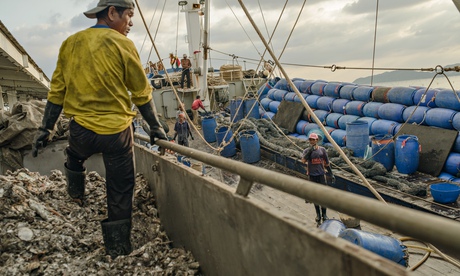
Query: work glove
(192, 137)
(149, 114)
(51, 115)
(175, 135)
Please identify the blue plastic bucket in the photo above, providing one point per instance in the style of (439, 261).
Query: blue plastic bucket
(407, 154)
(447, 99)
(369, 121)
(265, 102)
(221, 134)
(440, 117)
(332, 89)
(380, 94)
(325, 103)
(338, 106)
(418, 116)
(300, 126)
(305, 86)
(274, 106)
(208, 124)
(371, 109)
(347, 119)
(452, 165)
(333, 226)
(383, 127)
(236, 109)
(312, 100)
(355, 108)
(427, 99)
(332, 120)
(392, 112)
(340, 137)
(250, 146)
(346, 92)
(383, 151)
(247, 105)
(290, 96)
(363, 93)
(358, 137)
(402, 95)
(382, 245)
(317, 88)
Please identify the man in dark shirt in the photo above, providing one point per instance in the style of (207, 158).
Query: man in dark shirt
(182, 129)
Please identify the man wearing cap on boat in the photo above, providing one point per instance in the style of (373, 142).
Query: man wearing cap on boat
(317, 164)
(95, 70)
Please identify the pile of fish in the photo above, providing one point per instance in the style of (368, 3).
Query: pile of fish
(43, 232)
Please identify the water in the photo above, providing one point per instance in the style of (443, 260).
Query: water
(439, 82)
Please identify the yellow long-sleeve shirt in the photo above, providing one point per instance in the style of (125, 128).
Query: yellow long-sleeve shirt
(95, 70)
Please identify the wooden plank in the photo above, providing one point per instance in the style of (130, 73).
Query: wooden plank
(288, 115)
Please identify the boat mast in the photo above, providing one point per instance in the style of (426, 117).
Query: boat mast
(196, 46)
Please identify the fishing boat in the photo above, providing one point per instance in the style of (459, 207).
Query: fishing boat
(229, 231)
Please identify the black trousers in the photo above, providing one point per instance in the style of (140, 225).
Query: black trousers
(117, 153)
(185, 74)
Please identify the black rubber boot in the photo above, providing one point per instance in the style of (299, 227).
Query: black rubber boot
(318, 215)
(75, 183)
(116, 236)
(323, 211)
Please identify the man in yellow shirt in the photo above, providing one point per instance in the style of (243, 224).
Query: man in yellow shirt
(95, 70)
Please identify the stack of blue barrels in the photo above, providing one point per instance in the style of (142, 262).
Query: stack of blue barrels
(339, 105)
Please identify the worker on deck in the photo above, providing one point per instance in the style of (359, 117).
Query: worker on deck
(174, 61)
(197, 104)
(317, 164)
(186, 65)
(99, 107)
(182, 129)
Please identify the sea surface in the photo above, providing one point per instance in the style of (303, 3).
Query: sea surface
(439, 82)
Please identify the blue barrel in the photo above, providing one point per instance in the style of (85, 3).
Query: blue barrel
(407, 154)
(250, 108)
(224, 134)
(385, 246)
(300, 127)
(456, 121)
(392, 112)
(363, 93)
(371, 109)
(440, 117)
(425, 98)
(317, 88)
(290, 96)
(281, 84)
(402, 95)
(312, 100)
(263, 90)
(358, 137)
(346, 92)
(321, 114)
(332, 120)
(261, 112)
(446, 176)
(309, 127)
(265, 102)
(452, 165)
(268, 115)
(333, 226)
(329, 130)
(338, 106)
(303, 137)
(236, 109)
(346, 119)
(355, 108)
(270, 94)
(208, 124)
(380, 94)
(250, 146)
(383, 127)
(369, 121)
(279, 95)
(332, 89)
(456, 146)
(274, 106)
(340, 137)
(296, 98)
(305, 86)
(325, 103)
(417, 114)
(297, 84)
(447, 99)
(383, 150)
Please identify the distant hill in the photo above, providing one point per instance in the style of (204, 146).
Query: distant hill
(394, 76)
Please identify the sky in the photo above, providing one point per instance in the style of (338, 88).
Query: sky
(408, 34)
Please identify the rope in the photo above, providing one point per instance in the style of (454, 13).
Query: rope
(375, 41)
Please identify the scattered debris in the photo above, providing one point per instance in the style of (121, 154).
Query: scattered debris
(43, 232)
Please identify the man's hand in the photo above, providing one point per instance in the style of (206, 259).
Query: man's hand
(157, 133)
(40, 140)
